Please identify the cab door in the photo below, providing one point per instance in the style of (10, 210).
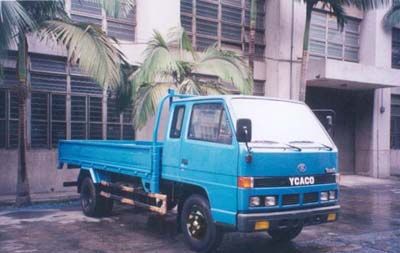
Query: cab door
(172, 145)
(209, 156)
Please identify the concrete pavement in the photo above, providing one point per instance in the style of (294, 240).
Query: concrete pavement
(370, 222)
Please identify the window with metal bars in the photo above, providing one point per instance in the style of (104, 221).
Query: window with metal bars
(328, 41)
(9, 110)
(122, 28)
(58, 122)
(395, 123)
(86, 11)
(78, 117)
(226, 22)
(396, 48)
(95, 118)
(113, 120)
(39, 120)
(259, 88)
(3, 106)
(128, 130)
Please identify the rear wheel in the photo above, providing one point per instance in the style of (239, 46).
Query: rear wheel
(94, 205)
(285, 234)
(200, 232)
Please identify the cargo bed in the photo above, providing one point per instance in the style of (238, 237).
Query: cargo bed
(132, 158)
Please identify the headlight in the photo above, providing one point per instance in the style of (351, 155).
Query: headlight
(337, 177)
(332, 195)
(324, 196)
(270, 201)
(254, 201)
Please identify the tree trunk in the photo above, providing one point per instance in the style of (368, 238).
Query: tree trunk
(252, 36)
(304, 60)
(23, 195)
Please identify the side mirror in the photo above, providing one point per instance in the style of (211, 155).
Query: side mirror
(243, 130)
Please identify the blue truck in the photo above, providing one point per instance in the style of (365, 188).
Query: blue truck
(228, 163)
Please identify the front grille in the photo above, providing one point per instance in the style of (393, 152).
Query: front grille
(290, 199)
(285, 182)
(310, 197)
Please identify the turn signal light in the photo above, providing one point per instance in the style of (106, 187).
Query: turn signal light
(331, 217)
(245, 182)
(261, 225)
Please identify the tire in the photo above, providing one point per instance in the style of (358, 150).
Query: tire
(285, 234)
(200, 232)
(94, 205)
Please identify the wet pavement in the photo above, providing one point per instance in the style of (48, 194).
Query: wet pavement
(370, 222)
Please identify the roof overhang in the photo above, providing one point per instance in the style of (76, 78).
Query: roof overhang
(332, 73)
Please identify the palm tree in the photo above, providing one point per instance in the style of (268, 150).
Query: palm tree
(392, 17)
(336, 8)
(86, 44)
(175, 63)
(252, 35)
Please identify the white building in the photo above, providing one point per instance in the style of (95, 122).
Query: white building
(354, 72)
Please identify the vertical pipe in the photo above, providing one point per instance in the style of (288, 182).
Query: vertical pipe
(291, 51)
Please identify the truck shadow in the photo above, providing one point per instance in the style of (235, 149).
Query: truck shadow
(166, 227)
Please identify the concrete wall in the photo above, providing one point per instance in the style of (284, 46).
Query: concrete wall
(42, 173)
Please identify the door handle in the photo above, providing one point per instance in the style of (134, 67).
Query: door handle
(184, 162)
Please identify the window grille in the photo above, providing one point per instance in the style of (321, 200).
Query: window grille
(396, 48)
(259, 88)
(39, 120)
(395, 123)
(128, 131)
(3, 102)
(122, 28)
(13, 119)
(58, 119)
(78, 117)
(327, 40)
(225, 22)
(113, 120)
(84, 84)
(95, 118)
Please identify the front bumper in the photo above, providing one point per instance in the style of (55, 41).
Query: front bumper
(246, 221)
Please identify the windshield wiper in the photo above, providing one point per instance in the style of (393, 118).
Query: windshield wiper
(311, 142)
(277, 142)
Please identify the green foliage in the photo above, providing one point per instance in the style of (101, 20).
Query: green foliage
(392, 17)
(87, 44)
(174, 63)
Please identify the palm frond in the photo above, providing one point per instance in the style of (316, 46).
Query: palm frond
(13, 19)
(158, 60)
(364, 5)
(146, 102)
(88, 45)
(392, 17)
(41, 11)
(228, 66)
(178, 38)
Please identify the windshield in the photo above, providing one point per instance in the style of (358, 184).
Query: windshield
(280, 122)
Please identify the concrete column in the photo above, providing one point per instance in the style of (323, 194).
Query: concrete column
(373, 119)
(282, 78)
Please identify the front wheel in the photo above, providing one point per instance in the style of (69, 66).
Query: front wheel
(199, 230)
(94, 205)
(285, 234)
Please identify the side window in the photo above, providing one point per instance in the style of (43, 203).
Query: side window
(210, 123)
(177, 120)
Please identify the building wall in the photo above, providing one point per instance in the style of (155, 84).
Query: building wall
(362, 133)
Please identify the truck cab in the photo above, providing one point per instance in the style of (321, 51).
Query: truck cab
(229, 163)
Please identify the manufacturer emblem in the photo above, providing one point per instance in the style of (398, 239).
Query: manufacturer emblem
(301, 168)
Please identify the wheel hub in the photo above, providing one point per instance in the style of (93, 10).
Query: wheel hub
(196, 224)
